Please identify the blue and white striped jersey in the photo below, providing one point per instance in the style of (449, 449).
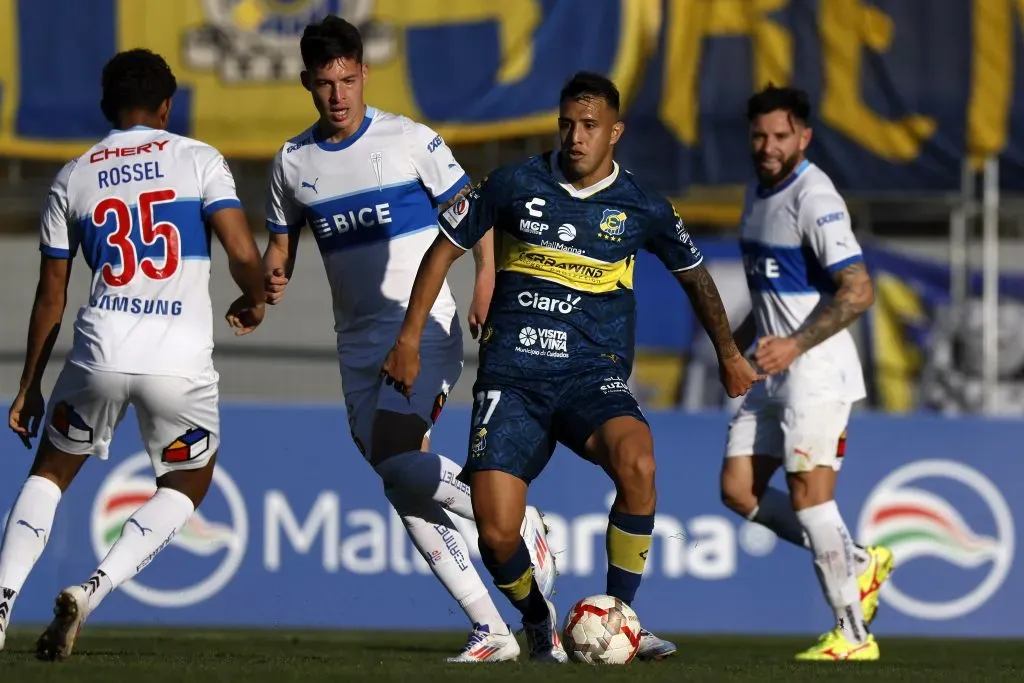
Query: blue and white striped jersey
(794, 238)
(371, 202)
(136, 204)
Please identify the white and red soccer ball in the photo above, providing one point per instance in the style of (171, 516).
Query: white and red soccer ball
(601, 629)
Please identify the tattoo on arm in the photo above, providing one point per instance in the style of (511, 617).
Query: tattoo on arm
(478, 249)
(465, 190)
(855, 295)
(707, 304)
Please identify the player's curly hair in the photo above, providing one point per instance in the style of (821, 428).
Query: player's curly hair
(332, 38)
(589, 84)
(135, 79)
(791, 100)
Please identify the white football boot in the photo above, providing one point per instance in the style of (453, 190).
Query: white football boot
(534, 532)
(544, 641)
(71, 608)
(653, 648)
(484, 646)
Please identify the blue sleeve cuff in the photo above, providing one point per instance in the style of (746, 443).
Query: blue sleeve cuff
(453, 190)
(54, 252)
(214, 207)
(450, 237)
(279, 229)
(836, 267)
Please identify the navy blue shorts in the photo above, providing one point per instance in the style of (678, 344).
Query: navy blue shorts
(516, 424)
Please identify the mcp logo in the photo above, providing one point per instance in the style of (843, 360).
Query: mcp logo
(953, 557)
(201, 558)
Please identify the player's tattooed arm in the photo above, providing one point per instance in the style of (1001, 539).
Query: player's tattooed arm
(700, 288)
(483, 251)
(855, 295)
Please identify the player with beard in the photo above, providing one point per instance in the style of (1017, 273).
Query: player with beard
(807, 282)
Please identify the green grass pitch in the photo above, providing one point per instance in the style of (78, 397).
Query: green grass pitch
(104, 655)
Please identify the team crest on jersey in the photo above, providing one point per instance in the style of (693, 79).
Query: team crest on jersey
(613, 224)
(257, 41)
(377, 161)
(188, 446)
(479, 443)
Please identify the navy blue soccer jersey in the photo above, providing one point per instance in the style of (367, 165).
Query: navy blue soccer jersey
(563, 294)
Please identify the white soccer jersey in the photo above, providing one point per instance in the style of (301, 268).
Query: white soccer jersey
(136, 206)
(794, 238)
(371, 202)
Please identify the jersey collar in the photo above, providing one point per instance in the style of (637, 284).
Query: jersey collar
(133, 129)
(764, 193)
(602, 184)
(350, 140)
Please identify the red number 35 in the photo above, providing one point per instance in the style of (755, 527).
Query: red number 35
(149, 232)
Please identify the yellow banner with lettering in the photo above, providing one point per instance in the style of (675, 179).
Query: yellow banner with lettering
(902, 90)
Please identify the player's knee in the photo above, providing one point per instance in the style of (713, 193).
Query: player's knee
(634, 468)
(500, 540)
(56, 465)
(394, 434)
(808, 489)
(192, 483)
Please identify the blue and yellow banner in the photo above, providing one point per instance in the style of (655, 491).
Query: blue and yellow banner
(902, 90)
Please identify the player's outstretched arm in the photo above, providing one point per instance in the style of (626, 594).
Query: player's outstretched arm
(855, 295)
(736, 373)
(402, 364)
(43, 329)
(246, 268)
(700, 288)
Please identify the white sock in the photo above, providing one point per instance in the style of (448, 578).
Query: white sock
(443, 547)
(146, 533)
(28, 529)
(833, 559)
(775, 511)
(430, 476)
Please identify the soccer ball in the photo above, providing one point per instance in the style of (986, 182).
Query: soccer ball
(601, 629)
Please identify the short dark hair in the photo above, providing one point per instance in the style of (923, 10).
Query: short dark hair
(332, 38)
(791, 100)
(588, 84)
(135, 79)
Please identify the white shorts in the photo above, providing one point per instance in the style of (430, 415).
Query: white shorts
(803, 434)
(179, 418)
(366, 393)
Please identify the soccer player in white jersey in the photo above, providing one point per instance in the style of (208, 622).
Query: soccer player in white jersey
(370, 184)
(807, 282)
(139, 205)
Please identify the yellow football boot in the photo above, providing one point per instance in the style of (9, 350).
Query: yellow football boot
(871, 579)
(834, 647)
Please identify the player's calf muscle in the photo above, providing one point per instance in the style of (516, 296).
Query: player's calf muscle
(744, 480)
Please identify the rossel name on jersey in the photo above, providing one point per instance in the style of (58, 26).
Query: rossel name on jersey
(549, 304)
(127, 173)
